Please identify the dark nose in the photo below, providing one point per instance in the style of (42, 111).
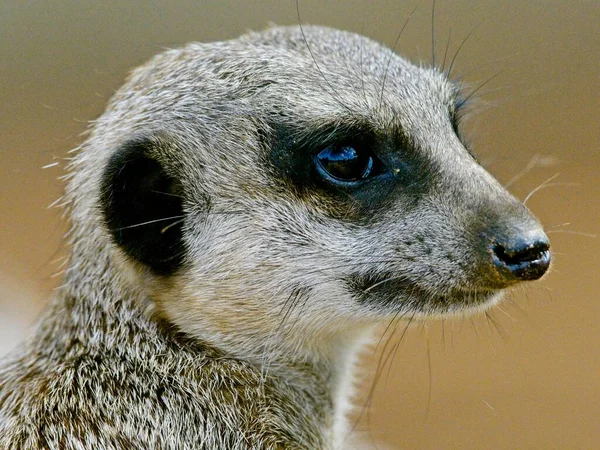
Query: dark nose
(524, 257)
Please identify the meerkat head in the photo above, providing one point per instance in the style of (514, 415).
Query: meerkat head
(298, 182)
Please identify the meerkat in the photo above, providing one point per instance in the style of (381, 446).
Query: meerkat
(243, 215)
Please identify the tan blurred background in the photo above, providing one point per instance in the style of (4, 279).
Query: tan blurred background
(529, 380)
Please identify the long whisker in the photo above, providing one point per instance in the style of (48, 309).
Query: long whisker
(565, 224)
(433, 34)
(474, 327)
(387, 280)
(332, 91)
(505, 313)
(491, 63)
(391, 54)
(551, 185)
(540, 187)
(491, 320)
(430, 387)
(446, 51)
(443, 337)
(181, 216)
(288, 306)
(141, 224)
(397, 347)
(528, 168)
(170, 194)
(465, 99)
(449, 72)
(537, 160)
(380, 366)
(385, 331)
(165, 229)
(579, 233)
(362, 68)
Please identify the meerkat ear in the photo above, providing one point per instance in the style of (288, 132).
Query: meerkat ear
(142, 206)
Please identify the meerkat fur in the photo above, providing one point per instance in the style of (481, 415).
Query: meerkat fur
(221, 280)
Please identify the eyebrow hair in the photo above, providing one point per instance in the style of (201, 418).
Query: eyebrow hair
(307, 136)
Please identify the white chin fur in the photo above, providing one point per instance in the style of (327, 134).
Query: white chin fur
(492, 300)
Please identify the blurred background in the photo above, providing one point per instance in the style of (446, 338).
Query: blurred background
(528, 377)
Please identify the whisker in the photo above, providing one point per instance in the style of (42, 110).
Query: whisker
(395, 318)
(150, 222)
(520, 309)
(578, 233)
(559, 225)
(288, 306)
(430, 387)
(474, 326)
(332, 91)
(387, 280)
(300, 311)
(550, 185)
(498, 89)
(505, 313)
(286, 309)
(443, 338)
(362, 68)
(474, 91)
(549, 292)
(528, 168)
(461, 46)
(487, 320)
(492, 62)
(489, 406)
(433, 34)
(379, 369)
(166, 193)
(181, 216)
(447, 48)
(539, 187)
(496, 325)
(165, 229)
(57, 203)
(387, 64)
(397, 347)
(48, 166)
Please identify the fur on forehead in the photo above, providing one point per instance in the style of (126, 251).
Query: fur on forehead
(322, 74)
(351, 77)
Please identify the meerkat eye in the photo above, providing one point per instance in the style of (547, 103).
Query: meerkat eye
(346, 163)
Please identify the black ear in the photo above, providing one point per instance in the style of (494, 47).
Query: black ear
(142, 207)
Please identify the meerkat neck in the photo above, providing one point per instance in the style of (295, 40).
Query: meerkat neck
(94, 314)
(100, 314)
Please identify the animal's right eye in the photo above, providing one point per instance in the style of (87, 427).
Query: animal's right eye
(347, 163)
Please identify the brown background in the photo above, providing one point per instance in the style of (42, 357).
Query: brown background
(533, 381)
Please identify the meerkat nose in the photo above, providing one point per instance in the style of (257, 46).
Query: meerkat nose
(522, 257)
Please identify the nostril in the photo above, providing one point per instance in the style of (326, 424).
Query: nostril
(522, 259)
(520, 254)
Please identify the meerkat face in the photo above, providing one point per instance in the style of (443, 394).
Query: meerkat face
(307, 177)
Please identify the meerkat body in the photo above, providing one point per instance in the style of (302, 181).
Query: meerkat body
(243, 214)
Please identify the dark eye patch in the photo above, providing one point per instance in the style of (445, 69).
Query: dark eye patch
(315, 159)
(346, 165)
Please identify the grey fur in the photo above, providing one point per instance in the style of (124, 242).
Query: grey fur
(251, 343)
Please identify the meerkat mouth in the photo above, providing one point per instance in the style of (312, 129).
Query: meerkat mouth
(396, 292)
